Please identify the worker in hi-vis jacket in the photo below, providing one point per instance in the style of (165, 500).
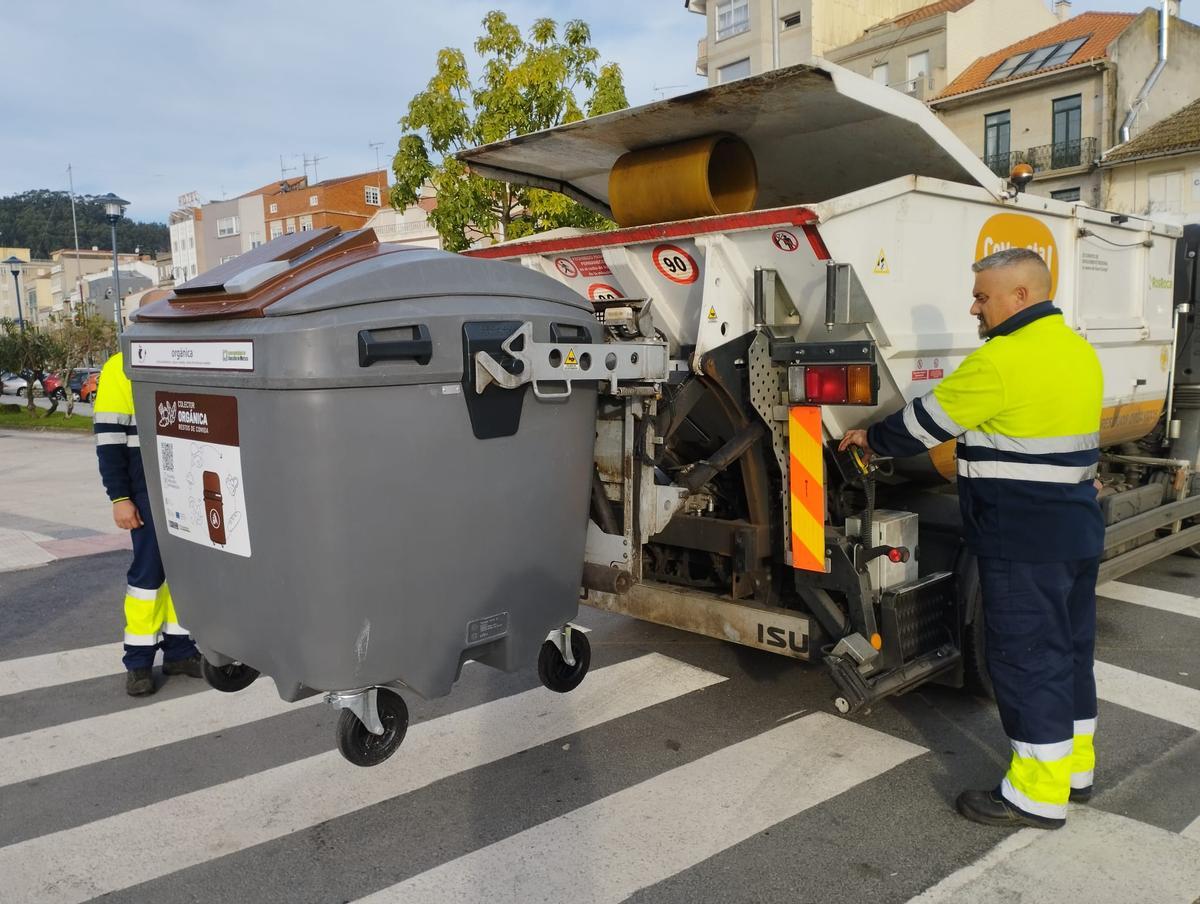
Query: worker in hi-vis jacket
(1025, 410)
(150, 620)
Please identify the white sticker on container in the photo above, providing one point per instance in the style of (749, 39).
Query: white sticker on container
(213, 355)
(200, 470)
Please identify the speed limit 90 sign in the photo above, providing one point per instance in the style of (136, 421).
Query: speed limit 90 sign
(675, 264)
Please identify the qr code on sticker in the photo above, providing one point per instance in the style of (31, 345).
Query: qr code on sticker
(168, 457)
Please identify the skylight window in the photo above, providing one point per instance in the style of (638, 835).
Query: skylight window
(1034, 60)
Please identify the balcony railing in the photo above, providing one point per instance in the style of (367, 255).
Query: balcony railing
(1045, 158)
(702, 57)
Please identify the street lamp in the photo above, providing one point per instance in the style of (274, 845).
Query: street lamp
(114, 209)
(14, 265)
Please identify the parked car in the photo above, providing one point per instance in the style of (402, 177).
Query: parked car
(52, 387)
(77, 378)
(87, 390)
(13, 384)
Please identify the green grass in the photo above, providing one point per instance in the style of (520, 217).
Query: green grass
(17, 416)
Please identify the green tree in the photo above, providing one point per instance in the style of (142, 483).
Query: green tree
(26, 350)
(41, 221)
(527, 84)
(79, 340)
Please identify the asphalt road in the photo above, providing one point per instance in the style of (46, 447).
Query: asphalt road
(682, 770)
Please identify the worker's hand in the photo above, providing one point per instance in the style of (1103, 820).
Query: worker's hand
(856, 438)
(125, 515)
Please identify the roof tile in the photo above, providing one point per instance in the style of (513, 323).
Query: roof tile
(1101, 29)
(1178, 132)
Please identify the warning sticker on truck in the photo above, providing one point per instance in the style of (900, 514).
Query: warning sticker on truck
(200, 470)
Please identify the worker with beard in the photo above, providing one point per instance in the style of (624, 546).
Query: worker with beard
(1025, 411)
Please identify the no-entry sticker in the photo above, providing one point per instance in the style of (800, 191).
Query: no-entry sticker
(675, 264)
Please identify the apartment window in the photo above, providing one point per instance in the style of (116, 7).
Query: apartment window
(880, 73)
(276, 228)
(791, 21)
(371, 195)
(191, 241)
(274, 208)
(306, 223)
(733, 71)
(733, 18)
(227, 226)
(291, 225)
(1065, 194)
(1068, 123)
(312, 201)
(997, 136)
(228, 258)
(918, 65)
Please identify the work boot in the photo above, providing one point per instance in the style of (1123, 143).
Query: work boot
(189, 666)
(991, 809)
(1081, 795)
(139, 682)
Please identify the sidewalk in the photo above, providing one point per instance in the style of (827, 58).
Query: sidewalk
(52, 505)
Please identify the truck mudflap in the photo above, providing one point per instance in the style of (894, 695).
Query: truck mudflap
(919, 639)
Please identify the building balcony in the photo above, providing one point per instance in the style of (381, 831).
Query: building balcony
(702, 57)
(920, 87)
(1046, 158)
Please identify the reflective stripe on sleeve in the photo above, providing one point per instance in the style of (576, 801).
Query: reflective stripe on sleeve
(111, 417)
(913, 426)
(1011, 470)
(112, 439)
(1046, 445)
(132, 441)
(935, 410)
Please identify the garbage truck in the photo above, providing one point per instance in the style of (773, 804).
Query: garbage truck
(801, 241)
(437, 457)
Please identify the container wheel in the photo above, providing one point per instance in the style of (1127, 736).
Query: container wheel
(228, 678)
(553, 669)
(361, 747)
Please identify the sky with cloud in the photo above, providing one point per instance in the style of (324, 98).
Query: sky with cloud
(152, 100)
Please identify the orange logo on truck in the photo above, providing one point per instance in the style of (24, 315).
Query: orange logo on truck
(1015, 230)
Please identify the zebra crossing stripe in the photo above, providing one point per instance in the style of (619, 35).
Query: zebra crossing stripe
(52, 669)
(86, 741)
(1178, 603)
(1098, 856)
(1153, 696)
(664, 825)
(83, 862)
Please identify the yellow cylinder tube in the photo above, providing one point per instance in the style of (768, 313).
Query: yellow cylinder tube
(699, 177)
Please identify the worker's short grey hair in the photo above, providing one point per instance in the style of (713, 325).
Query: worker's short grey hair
(1009, 257)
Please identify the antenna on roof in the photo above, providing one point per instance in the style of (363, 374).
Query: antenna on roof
(663, 89)
(312, 160)
(284, 170)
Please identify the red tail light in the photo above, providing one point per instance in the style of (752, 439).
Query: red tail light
(838, 384)
(826, 384)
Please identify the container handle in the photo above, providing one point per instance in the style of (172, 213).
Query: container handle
(379, 345)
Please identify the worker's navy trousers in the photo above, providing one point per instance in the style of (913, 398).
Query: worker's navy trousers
(1040, 640)
(150, 620)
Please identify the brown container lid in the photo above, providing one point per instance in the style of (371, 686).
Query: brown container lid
(247, 285)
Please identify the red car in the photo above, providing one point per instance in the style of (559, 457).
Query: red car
(52, 387)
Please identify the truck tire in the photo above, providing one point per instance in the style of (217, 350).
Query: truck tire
(978, 681)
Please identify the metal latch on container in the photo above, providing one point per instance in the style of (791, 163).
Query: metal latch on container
(563, 363)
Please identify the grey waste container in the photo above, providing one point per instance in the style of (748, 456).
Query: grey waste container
(337, 507)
